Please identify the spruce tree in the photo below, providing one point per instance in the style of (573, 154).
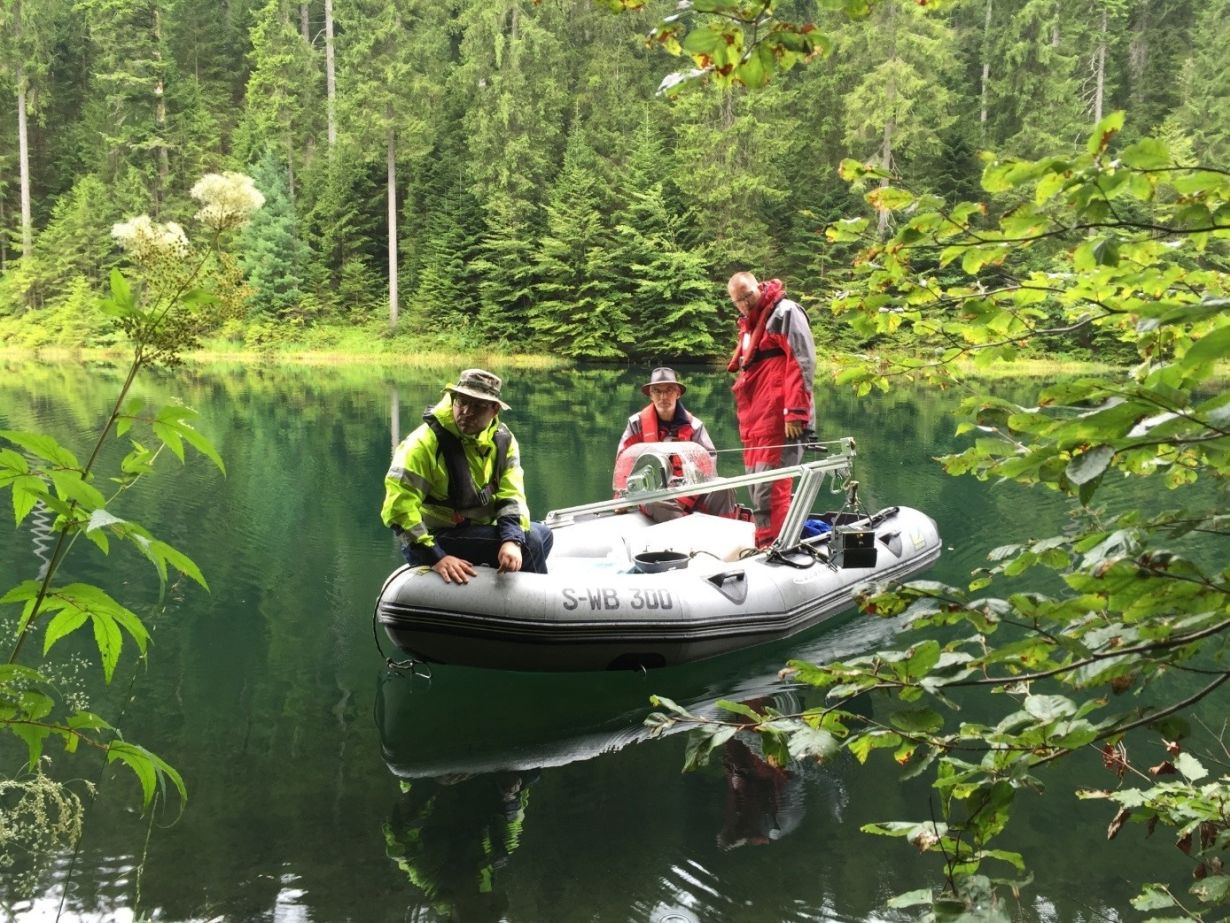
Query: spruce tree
(578, 311)
(274, 256)
(672, 302)
(505, 270)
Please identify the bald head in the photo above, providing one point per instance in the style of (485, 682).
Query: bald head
(744, 291)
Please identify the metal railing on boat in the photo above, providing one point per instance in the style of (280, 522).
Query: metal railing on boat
(811, 475)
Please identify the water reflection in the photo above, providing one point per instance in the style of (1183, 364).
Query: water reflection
(474, 750)
(450, 836)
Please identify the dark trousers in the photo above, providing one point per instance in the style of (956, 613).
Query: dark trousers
(481, 545)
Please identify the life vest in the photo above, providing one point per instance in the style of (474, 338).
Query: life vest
(463, 493)
(651, 427)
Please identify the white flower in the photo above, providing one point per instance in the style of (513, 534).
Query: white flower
(227, 199)
(146, 239)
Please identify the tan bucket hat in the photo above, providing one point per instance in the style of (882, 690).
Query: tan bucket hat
(479, 384)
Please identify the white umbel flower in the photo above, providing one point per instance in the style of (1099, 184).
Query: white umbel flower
(227, 199)
(146, 239)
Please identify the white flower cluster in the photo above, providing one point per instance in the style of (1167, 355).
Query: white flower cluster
(146, 239)
(227, 199)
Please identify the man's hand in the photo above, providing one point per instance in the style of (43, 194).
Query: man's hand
(794, 429)
(453, 569)
(509, 558)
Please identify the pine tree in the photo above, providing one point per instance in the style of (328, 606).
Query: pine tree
(1204, 112)
(578, 311)
(274, 256)
(671, 298)
(505, 270)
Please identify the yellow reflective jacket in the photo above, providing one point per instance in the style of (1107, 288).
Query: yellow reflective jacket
(416, 488)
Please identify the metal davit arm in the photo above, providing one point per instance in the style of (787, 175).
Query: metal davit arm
(811, 476)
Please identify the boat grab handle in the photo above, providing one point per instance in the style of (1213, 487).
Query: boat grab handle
(732, 584)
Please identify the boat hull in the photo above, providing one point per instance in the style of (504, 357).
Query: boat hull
(589, 613)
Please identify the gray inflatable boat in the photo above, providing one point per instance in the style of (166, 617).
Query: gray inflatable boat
(625, 592)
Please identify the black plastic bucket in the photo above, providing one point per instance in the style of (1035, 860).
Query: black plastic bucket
(656, 562)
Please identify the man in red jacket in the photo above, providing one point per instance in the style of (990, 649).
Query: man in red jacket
(775, 364)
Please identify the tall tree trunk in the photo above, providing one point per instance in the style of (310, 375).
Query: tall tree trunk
(392, 197)
(890, 116)
(23, 160)
(160, 118)
(330, 74)
(986, 69)
(1099, 67)
(290, 167)
(1138, 52)
(305, 24)
(23, 141)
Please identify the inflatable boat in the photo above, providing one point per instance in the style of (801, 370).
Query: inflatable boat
(626, 592)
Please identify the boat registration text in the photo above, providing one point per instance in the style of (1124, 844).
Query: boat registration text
(607, 599)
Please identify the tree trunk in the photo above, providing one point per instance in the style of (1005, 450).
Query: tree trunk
(1099, 68)
(160, 118)
(305, 24)
(330, 74)
(392, 198)
(23, 159)
(890, 117)
(23, 141)
(986, 68)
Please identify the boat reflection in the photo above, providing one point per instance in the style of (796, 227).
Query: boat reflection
(468, 747)
(462, 721)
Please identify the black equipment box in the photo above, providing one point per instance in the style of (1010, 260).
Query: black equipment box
(854, 546)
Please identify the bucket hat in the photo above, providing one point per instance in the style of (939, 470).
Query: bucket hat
(478, 384)
(663, 376)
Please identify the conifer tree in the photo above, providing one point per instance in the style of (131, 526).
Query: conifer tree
(672, 301)
(578, 311)
(505, 270)
(446, 295)
(1204, 112)
(275, 258)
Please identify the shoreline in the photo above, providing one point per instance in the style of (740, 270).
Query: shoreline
(1027, 367)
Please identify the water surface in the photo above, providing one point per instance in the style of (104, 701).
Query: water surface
(324, 787)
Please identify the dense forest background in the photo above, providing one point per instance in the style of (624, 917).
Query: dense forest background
(503, 173)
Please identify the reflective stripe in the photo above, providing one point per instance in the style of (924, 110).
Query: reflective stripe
(410, 479)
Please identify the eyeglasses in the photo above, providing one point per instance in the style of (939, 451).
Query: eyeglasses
(473, 404)
(746, 297)
(664, 391)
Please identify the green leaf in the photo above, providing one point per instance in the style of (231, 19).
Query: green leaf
(814, 743)
(169, 433)
(64, 623)
(1147, 154)
(45, 447)
(202, 445)
(917, 721)
(1191, 767)
(1089, 465)
(1215, 889)
(739, 708)
(1103, 132)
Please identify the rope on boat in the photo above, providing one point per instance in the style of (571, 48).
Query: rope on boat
(416, 667)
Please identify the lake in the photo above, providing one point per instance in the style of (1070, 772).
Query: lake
(325, 787)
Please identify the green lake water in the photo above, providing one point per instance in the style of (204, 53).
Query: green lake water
(324, 787)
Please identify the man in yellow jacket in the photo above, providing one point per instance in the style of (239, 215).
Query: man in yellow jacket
(455, 492)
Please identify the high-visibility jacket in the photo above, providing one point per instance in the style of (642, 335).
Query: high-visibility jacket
(418, 500)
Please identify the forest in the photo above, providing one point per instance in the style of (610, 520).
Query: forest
(506, 175)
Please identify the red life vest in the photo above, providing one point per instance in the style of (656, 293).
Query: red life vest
(651, 427)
